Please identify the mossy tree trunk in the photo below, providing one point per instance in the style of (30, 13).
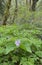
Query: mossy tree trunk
(32, 4)
(6, 14)
(16, 7)
(15, 11)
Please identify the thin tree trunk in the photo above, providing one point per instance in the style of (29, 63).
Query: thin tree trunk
(27, 3)
(6, 12)
(16, 7)
(34, 5)
(16, 10)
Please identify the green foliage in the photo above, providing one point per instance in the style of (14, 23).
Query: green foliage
(29, 51)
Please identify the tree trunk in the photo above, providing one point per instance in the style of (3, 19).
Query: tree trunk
(6, 14)
(29, 2)
(32, 4)
(26, 2)
(16, 9)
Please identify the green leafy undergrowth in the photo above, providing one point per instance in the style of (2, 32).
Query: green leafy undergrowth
(20, 45)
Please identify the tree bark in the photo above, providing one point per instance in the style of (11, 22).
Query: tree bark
(16, 10)
(16, 6)
(6, 14)
(26, 2)
(29, 2)
(32, 4)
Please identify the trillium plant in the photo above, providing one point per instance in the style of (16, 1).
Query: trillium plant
(20, 45)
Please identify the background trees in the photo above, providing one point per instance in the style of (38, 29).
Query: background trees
(18, 10)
